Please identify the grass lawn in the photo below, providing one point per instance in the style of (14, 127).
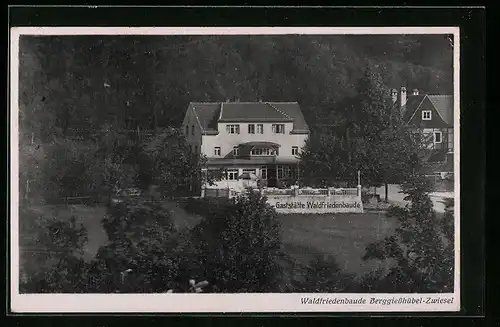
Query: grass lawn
(344, 236)
(91, 217)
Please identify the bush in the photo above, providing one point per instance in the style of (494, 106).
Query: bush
(323, 275)
(239, 245)
(51, 252)
(421, 246)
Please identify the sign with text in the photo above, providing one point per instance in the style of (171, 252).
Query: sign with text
(316, 204)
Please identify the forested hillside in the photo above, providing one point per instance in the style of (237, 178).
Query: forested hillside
(71, 82)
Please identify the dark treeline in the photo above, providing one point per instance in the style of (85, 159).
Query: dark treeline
(69, 82)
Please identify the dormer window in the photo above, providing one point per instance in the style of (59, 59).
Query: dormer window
(192, 130)
(236, 151)
(233, 129)
(426, 115)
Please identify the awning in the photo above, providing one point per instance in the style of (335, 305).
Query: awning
(251, 161)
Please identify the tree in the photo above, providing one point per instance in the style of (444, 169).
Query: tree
(168, 162)
(66, 168)
(239, 246)
(111, 170)
(421, 247)
(324, 160)
(323, 275)
(141, 255)
(51, 251)
(369, 135)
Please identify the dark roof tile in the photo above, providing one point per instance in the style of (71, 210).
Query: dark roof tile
(444, 106)
(208, 114)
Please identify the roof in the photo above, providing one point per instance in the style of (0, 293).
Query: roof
(209, 113)
(412, 104)
(252, 111)
(262, 144)
(443, 104)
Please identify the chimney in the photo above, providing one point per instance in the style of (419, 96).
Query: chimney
(394, 95)
(415, 91)
(403, 96)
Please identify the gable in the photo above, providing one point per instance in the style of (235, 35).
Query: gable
(435, 122)
(444, 106)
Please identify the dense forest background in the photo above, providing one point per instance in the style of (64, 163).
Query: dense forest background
(83, 82)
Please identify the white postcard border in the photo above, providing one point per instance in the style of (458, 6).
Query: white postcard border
(193, 303)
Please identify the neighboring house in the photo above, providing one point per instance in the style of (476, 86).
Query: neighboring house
(258, 139)
(432, 117)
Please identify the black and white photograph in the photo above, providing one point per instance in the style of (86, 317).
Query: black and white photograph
(235, 169)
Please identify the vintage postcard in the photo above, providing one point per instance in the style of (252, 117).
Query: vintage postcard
(268, 169)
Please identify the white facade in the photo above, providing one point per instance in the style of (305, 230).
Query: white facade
(267, 149)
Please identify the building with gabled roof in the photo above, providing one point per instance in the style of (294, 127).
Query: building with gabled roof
(433, 117)
(260, 139)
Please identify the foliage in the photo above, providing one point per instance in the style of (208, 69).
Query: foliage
(420, 247)
(323, 275)
(65, 169)
(369, 136)
(239, 245)
(156, 77)
(51, 252)
(167, 162)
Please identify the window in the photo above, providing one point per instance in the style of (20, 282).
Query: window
(263, 172)
(233, 129)
(187, 130)
(232, 174)
(438, 137)
(236, 151)
(262, 152)
(260, 129)
(249, 171)
(251, 128)
(192, 130)
(295, 150)
(279, 128)
(279, 170)
(217, 151)
(426, 115)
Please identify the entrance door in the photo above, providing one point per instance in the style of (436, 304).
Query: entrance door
(271, 176)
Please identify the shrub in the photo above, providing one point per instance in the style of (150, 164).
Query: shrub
(239, 245)
(51, 252)
(421, 246)
(323, 275)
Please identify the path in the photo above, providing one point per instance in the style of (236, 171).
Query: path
(397, 198)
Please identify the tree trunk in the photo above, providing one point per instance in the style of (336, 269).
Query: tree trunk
(386, 193)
